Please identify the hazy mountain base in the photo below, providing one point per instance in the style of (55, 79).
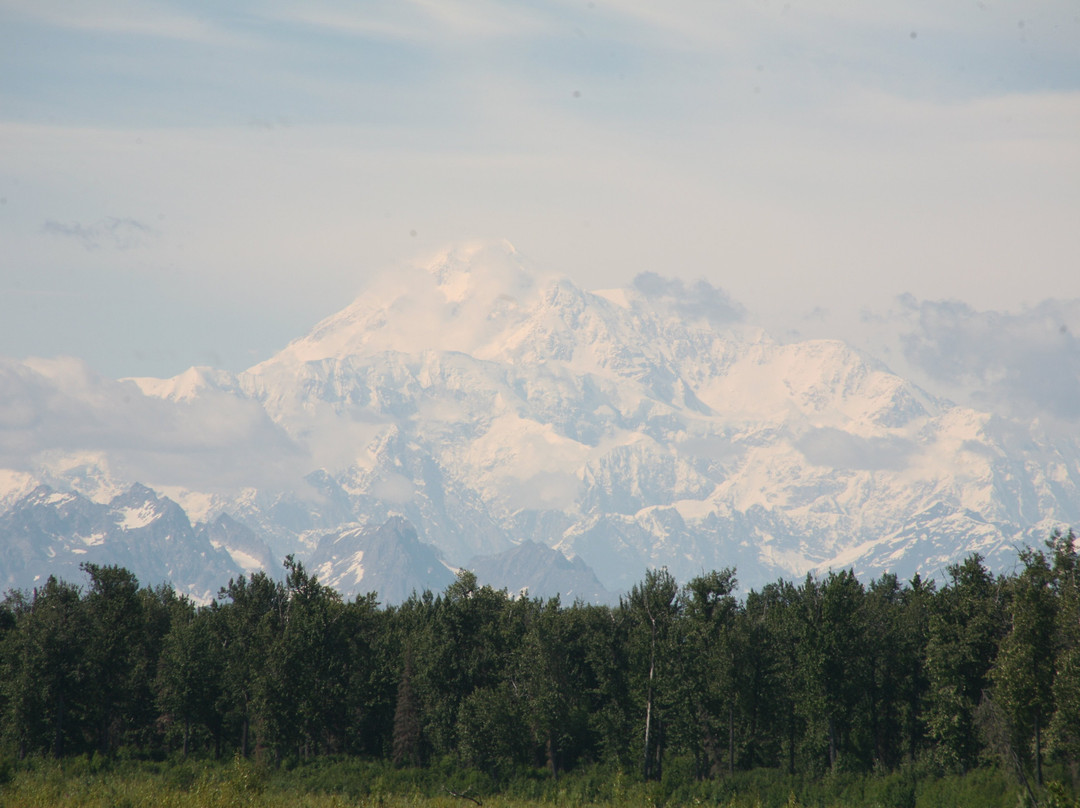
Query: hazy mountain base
(93, 781)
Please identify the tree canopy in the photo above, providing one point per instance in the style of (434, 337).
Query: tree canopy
(830, 674)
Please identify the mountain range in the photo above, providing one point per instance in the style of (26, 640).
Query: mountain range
(478, 413)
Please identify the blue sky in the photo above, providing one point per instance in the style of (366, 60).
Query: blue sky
(197, 183)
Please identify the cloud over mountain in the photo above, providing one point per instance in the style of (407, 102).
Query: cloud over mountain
(699, 299)
(60, 407)
(828, 446)
(1023, 363)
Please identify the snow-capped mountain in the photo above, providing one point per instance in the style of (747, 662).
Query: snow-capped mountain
(540, 572)
(48, 532)
(389, 559)
(490, 405)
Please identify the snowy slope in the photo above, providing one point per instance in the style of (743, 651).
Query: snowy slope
(49, 532)
(638, 429)
(388, 559)
(490, 405)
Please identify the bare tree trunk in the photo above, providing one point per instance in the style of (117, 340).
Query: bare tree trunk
(648, 697)
(658, 767)
(552, 762)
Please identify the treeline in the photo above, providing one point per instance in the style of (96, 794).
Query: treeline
(829, 674)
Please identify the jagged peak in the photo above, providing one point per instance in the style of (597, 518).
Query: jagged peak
(44, 494)
(137, 492)
(399, 526)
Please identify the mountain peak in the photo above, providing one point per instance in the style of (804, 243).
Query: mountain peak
(480, 267)
(474, 276)
(541, 571)
(188, 385)
(460, 301)
(137, 494)
(389, 559)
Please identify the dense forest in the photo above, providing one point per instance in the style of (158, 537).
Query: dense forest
(829, 675)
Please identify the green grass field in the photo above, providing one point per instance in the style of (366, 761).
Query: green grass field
(333, 784)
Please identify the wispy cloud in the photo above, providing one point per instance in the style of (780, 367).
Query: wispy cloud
(138, 19)
(792, 154)
(111, 232)
(699, 299)
(1025, 363)
(445, 22)
(60, 405)
(834, 447)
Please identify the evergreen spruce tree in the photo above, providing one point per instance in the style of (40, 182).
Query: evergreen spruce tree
(188, 687)
(713, 653)
(115, 614)
(1023, 675)
(246, 628)
(47, 693)
(965, 629)
(846, 651)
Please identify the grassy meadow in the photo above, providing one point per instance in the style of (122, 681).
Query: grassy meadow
(98, 783)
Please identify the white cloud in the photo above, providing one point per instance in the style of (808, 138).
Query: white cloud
(839, 449)
(697, 300)
(813, 157)
(59, 406)
(432, 22)
(138, 18)
(1023, 363)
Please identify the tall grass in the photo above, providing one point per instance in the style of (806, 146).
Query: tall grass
(97, 783)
